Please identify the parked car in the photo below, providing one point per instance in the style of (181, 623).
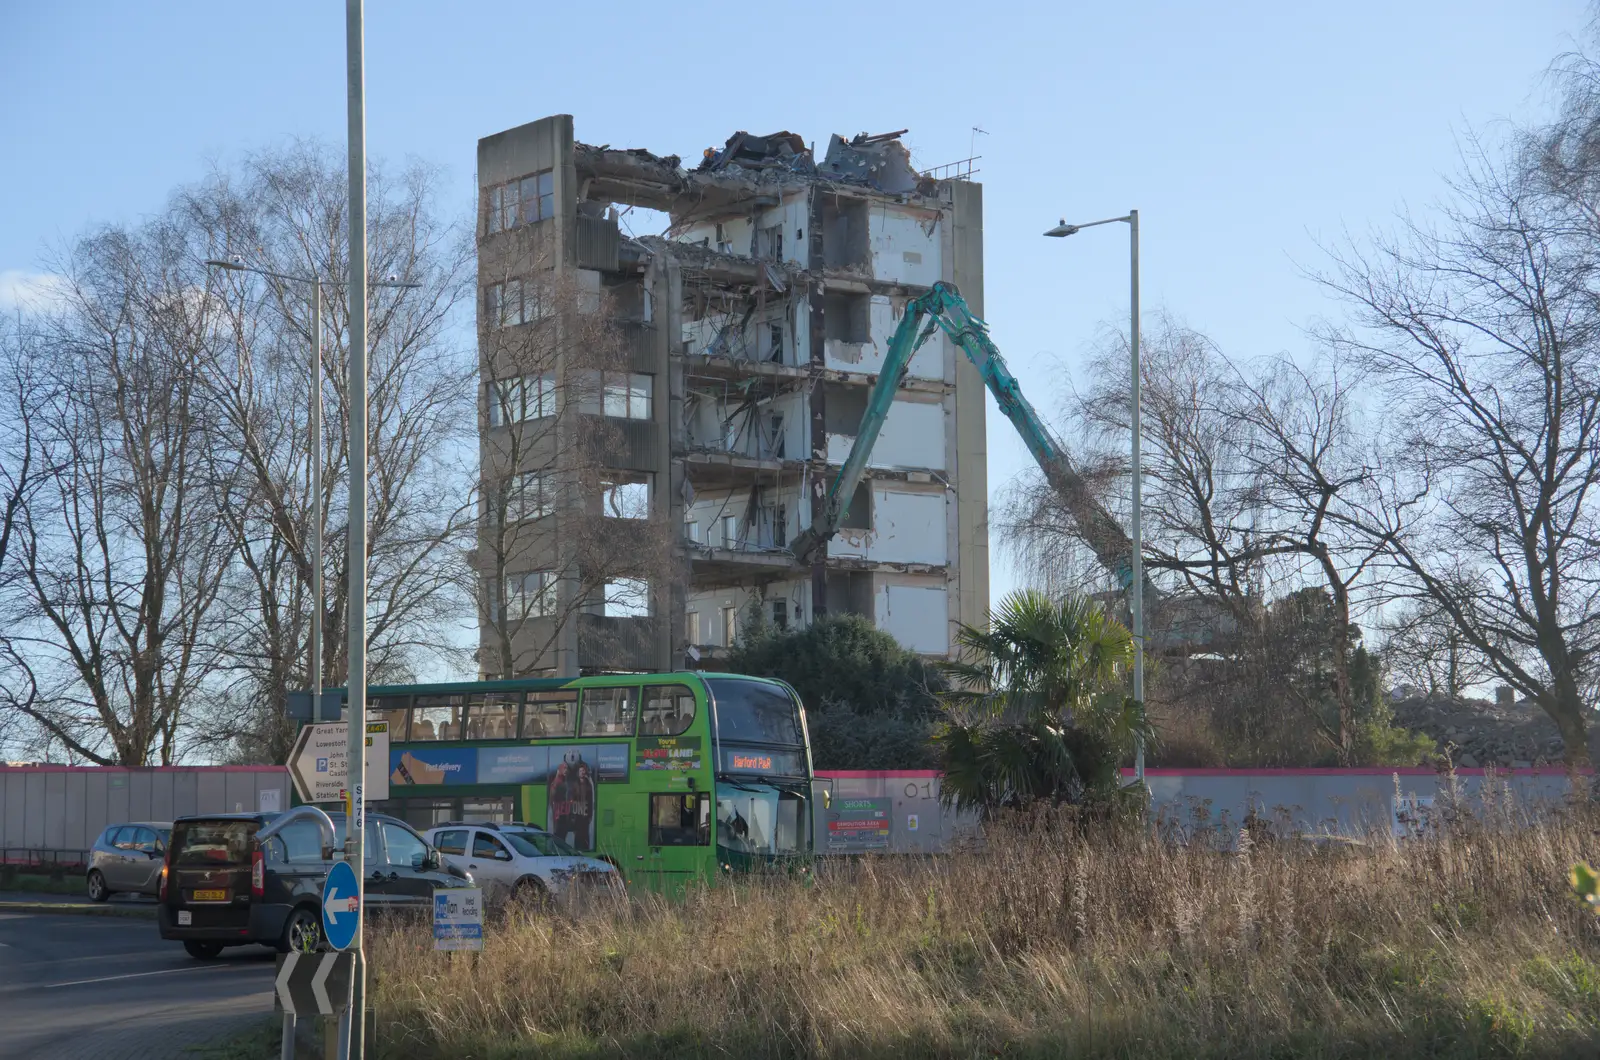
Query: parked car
(127, 858)
(523, 859)
(221, 886)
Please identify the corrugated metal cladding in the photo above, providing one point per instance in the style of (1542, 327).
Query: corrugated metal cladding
(598, 243)
(44, 808)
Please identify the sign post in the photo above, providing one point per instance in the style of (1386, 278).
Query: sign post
(356, 648)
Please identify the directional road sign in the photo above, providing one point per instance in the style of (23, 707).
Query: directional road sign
(341, 908)
(314, 984)
(319, 763)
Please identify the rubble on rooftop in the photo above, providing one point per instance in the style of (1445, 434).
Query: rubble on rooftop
(879, 161)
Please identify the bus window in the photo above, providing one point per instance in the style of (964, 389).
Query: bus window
(493, 715)
(394, 710)
(438, 718)
(608, 711)
(680, 820)
(549, 714)
(667, 711)
(755, 711)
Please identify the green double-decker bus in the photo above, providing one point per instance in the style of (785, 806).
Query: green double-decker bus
(669, 776)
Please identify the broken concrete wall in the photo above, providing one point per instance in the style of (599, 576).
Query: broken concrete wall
(904, 440)
(905, 245)
(916, 614)
(906, 527)
(884, 315)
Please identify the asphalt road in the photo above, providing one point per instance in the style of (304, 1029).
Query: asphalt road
(108, 988)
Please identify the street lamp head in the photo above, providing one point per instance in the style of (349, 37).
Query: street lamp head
(232, 266)
(1063, 229)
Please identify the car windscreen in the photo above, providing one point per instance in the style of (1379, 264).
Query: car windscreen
(539, 845)
(755, 712)
(212, 843)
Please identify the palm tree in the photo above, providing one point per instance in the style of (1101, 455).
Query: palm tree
(1037, 708)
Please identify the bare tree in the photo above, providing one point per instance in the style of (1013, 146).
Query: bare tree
(284, 212)
(1424, 648)
(1480, 333)
(121, 551)
(1243, 467)
(565, 531)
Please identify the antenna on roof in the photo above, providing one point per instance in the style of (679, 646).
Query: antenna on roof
(972, 144)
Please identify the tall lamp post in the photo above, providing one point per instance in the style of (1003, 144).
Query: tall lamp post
(315, 445)
(1136, 590)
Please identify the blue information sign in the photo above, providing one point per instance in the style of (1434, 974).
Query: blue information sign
(341, 908)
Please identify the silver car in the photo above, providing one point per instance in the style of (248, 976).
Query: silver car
(127, 858)
(523, 859)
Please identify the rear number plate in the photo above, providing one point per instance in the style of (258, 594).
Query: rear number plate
(185, 918)
(210, 896)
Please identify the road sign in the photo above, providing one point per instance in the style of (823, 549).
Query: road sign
(319, 763)
(314, 984)
(341, 907)
(457, 918)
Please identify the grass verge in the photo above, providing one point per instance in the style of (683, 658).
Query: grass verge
(1056, 941)
(260, 1041)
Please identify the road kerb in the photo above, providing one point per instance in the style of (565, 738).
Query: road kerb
(146, 912)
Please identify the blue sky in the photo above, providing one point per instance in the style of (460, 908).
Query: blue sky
(1243, 132)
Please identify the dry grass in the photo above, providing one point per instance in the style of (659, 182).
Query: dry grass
(1057, 941)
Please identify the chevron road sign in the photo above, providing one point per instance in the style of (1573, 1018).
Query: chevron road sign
(314, 984)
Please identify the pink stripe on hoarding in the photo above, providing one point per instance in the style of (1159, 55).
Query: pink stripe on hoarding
(876, 774)
(1354, 771)
(144, 769)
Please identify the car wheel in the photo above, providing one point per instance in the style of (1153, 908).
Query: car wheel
(98, 891)
(531, 894)
(203, 951)
(302, 932)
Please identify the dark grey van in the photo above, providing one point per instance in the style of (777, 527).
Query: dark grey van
(223, 887)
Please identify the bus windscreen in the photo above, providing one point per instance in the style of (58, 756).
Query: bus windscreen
(755, 712)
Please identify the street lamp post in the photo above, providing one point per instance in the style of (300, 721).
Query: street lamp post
(1136, 599)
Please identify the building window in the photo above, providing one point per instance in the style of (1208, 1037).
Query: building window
(626, 395)
(691, 528)
(772, 243)
(625, 498)
(730, 531)
(524, 397)
(526, 496)
(520, 202)
(691, 626)
(529, 595)
(730, 626)
(780, 614)
(724, 245)
(775, 343)
(512, 302)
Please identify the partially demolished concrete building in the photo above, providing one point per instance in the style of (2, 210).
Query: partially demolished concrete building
(756, 325)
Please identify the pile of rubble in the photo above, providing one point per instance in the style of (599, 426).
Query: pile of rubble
(1481, 733)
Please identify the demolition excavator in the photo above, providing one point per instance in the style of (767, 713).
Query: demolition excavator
(943, 309)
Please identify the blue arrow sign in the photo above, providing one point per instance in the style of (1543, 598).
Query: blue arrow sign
(341, 906)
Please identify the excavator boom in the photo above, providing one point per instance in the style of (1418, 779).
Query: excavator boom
(943, 308)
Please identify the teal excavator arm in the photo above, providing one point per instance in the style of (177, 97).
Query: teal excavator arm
(944, 309)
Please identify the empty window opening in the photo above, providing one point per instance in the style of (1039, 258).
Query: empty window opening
(772, 243)
(844, 232)
(858, 516)
(844, 407)
(691, 626)
(627, 598)
(780, 614)
(730, 626)
(847, 317)
(724, 245)
(625, 496)
(775, 343)
(730, 531)
(772, 437)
